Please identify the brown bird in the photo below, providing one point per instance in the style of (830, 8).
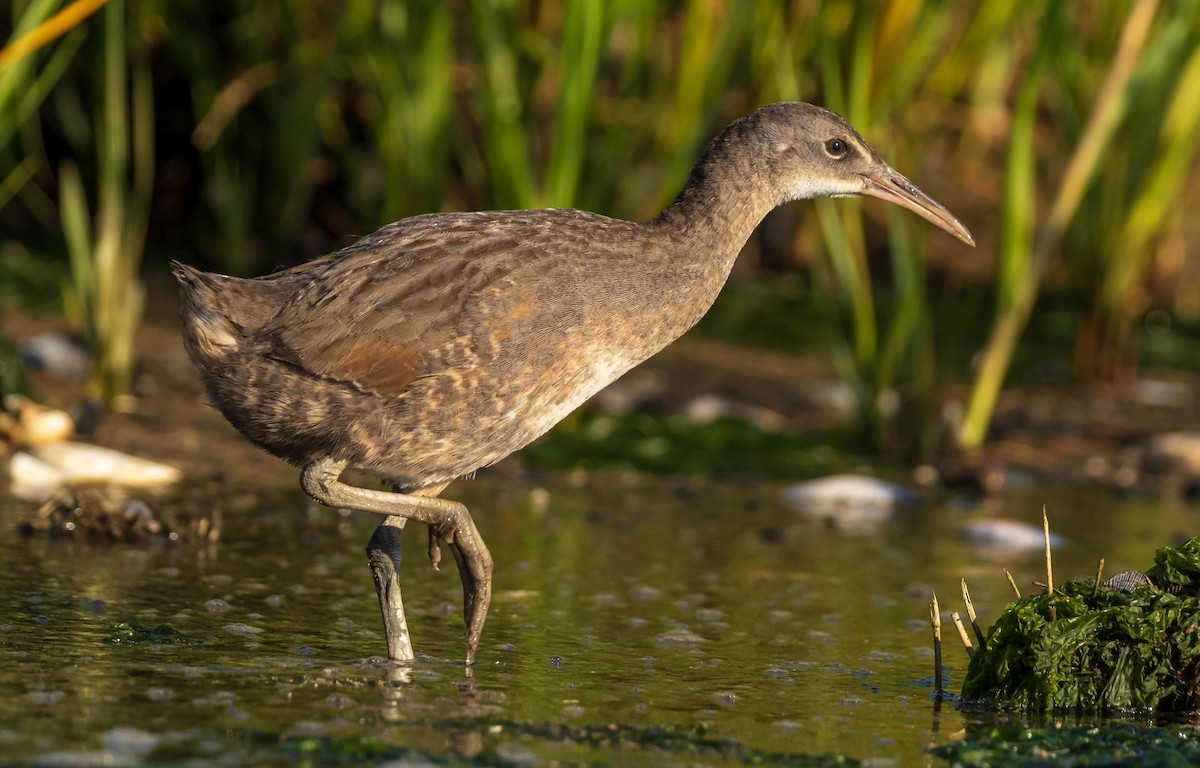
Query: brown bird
(444, 342)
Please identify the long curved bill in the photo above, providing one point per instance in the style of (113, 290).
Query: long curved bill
(886, 184)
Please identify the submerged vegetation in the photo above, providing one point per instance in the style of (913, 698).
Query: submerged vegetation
(1115, 745)
(621, 742)
(1098, 647)
(138, 634)
(1064, 133)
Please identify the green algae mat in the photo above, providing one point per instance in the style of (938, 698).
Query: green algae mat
(1109, 647)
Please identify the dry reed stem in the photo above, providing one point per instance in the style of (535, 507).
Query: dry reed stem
(962, 633)
(1049, 565)
(935, 620)
(971, 613)
(1012, 583)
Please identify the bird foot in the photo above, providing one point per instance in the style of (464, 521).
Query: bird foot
(448, 521)
(474, 568)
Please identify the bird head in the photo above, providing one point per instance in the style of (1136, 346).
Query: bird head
(815, 153)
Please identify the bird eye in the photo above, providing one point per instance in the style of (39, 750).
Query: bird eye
(836, 147)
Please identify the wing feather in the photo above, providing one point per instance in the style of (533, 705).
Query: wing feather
(408, 303)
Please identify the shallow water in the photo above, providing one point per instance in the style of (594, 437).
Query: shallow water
(637, 621)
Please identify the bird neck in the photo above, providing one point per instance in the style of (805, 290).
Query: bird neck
(726, 196)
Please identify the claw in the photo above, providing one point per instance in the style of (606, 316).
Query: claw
(474, 563)
(475, 570)
(480, 601)
(435, 549)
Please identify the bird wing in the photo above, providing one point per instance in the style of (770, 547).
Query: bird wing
(409, 301)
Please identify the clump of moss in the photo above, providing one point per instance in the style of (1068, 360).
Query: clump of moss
(1089, 648)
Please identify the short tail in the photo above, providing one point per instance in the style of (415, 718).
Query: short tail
(208, 332)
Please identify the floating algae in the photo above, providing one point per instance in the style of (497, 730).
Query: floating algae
(138, 634)
(1128, 645)
(1114, 745)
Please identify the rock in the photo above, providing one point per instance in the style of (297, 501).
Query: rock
(83, 463)
(59, 465)
(678, 637)
(1005, 534)
(851, 502)
(129, 742)
(847, 491)
(55, 353)
(33, 480)
(1174, 451)
(26, 423)
(1166, 394)
(705, 409)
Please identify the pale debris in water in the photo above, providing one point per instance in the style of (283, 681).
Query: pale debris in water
(26, 423)
(45, 469)
(33, 480)
(1005, 534)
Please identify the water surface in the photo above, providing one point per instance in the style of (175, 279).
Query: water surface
(637, 621)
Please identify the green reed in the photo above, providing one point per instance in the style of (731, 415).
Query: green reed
(872, 68)
(343, 116)
(106, 248)
(27, 79)
(1158, 151)
(405, 105)
(1134, 143)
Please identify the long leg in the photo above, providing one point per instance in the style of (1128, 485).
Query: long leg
(383, 555)
(449, 520)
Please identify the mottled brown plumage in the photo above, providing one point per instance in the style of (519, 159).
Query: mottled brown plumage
(442, 343)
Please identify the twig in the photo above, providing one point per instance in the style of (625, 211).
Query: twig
(971, 613)
(962, 633)
(1099, 573)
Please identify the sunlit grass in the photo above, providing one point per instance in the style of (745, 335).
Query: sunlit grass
(106, 248)
(310, 116)
(28, 73)
(1129, 157)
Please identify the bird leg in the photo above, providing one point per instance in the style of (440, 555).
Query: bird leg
(383, 555)
(448, 520)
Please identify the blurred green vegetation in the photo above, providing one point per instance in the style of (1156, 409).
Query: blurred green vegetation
(677, 444)
(254, 134)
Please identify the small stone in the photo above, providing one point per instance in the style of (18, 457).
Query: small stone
(645, 593)
(678, 636)
(129, 743)
(1005, 534)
